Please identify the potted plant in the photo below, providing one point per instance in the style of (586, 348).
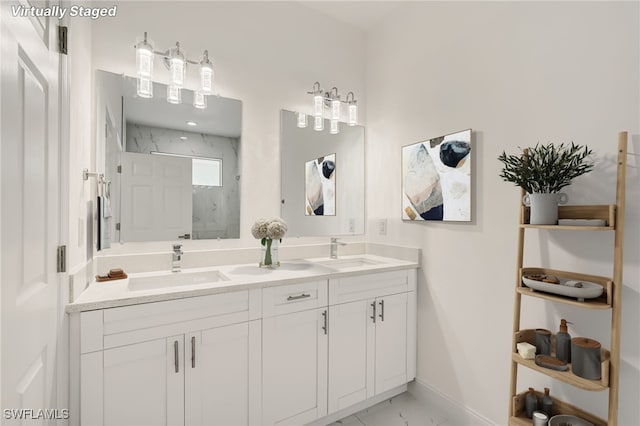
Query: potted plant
(542, 171)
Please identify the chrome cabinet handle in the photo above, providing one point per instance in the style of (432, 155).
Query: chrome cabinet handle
(301, 296)
(373, 305)
(324, 327)
(193, 352)
(176, 357)
(382, 310)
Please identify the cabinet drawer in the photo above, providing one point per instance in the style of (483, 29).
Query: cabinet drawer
(293, 298)
(343, 290)
(137, 323)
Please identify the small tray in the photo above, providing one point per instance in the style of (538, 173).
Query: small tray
(552, 363)
(588, 291)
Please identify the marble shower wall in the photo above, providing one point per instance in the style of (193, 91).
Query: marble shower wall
(216, 210)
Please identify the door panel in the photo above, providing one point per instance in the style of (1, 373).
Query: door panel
(29, 218)
(351, 351)
(141, 384)
(391, 342)
(294, 368)
(217, 376)
(156, 197)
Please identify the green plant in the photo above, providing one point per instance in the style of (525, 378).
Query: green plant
(546, 168)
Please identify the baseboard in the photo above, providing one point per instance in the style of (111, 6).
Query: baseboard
(452, 411)
(345, 412)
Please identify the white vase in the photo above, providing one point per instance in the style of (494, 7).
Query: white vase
(269, 254)
(544, 207)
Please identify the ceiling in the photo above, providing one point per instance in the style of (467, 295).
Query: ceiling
(359, 14)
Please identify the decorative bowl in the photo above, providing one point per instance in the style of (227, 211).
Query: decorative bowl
(565, 419)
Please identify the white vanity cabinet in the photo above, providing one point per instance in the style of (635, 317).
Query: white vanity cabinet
(294, 353)
(372, 334)
(193, 361)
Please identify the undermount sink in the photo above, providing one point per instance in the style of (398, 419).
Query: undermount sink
(356, 262)
(175, 279)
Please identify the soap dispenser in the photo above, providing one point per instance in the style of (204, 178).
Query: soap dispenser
(531, 402)
(563, 343)
(547, 403)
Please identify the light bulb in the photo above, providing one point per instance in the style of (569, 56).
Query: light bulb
(199, 100)
(177, 66)
(145, 88)
(353, 113)
(333, 128)
(174, 95)
(318, 124)
(318, 105)
(302, 120)
(144, 58)
(206, 74)
(335, 107)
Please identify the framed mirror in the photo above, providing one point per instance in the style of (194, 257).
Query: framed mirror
(174, 170)
(322, 178)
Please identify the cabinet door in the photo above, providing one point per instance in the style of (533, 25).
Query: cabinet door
(217, 373)
(351, 353)
(294, 380)
(144, 383)
(391, 342)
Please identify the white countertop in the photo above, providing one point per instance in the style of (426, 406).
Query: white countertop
(110, 294)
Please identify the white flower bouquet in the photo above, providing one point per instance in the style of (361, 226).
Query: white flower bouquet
(269, 232)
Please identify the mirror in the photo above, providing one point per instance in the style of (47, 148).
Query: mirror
(322, 178)
(174, 169)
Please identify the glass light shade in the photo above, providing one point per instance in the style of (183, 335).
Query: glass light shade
(206, 78)
(333, 128)
(353, 114)
(199, 100)
(144, 88)
(318, 124)
(174, 95)
(144, 59)
(335, 108)
(318, 105)
(302, 120)
(177, 66)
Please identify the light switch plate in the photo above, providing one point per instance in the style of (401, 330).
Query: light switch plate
(382, 227)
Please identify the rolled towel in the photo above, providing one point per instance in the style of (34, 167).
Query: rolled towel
(573, 283)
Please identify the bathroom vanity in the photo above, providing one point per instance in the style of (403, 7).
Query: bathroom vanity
(307, 343)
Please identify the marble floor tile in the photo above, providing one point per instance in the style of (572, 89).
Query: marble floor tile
(402, 410)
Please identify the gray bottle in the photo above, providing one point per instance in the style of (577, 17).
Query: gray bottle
(547, 403)
(563, 343)
(531, 402)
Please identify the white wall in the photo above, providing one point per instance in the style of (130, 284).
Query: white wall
(518, 73)
(267, 54)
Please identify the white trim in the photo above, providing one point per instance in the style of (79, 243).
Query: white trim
(452, 411)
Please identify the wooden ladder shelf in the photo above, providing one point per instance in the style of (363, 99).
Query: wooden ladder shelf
(611, 299)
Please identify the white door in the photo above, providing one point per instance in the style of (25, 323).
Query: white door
(144, 383)
(217, 376)
(294, 365)
(29, 217)
(156, 197)
(351, 354)
(391, 342)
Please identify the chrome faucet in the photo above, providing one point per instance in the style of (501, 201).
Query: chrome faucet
(177, 258)
(334, 247)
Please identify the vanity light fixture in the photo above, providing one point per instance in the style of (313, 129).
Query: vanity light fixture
(176, 61)
(322, 99)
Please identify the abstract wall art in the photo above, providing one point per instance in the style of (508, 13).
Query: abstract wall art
(320, 186)
(436, 179)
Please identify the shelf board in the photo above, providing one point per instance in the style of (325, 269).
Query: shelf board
(587, 304)
(606, 212)
(568, 227)
(519, 417)
(563, 376)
